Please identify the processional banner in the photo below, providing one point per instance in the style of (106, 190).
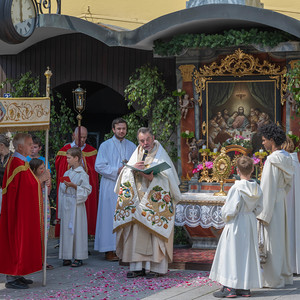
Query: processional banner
(22, 114)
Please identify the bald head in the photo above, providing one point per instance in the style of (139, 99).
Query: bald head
(83, 135)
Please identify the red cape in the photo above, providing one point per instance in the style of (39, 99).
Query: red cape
(21, 221)
(89, 157)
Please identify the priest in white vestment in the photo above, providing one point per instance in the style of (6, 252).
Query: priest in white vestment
(236, 263)
(145, 212)
(276, 182)
(293, 209)
(108, 164)
(72, 211)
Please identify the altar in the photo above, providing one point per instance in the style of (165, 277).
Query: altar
(201, 209)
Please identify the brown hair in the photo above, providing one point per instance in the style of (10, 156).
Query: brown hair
(288, 145)
(245, 165)
(34, 164)
(75, 152)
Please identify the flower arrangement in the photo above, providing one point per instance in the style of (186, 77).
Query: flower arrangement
(208, 165)
(238, 140)
(187, 134)
(261, 154)
(206, 150)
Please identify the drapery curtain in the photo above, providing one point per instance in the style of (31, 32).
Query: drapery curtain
(263, 93)
(219, 93)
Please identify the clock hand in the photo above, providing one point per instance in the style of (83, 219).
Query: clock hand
(21, 12)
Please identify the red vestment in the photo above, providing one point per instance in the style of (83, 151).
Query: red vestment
(89, 155)
(21, 221)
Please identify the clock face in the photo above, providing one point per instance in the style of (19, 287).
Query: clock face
(23, 16)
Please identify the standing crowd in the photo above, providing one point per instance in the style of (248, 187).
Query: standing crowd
(132, 214)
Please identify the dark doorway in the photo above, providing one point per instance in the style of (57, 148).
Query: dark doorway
(102, 106)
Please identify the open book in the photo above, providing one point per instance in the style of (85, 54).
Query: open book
(157, 168)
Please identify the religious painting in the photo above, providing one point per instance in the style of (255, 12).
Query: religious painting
(236, 109)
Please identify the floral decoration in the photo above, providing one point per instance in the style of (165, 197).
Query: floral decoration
(238, 140)
(161, 209)
(187, 134)
(208, 165)
(125, 204)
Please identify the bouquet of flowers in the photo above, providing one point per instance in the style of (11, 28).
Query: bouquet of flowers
(238, 140)
(208, 165)
(187, 134)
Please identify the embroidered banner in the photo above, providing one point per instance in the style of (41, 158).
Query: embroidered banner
(22, 114)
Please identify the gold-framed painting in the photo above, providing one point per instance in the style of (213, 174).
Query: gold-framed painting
(237, 95)
(236, 109)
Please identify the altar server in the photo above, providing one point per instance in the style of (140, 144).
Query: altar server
(236, 264)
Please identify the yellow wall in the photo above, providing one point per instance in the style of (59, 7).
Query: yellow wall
(131, 14)
(290, 8)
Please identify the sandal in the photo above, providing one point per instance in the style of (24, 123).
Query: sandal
(151, 275)
(49, 267)
(76, 263)
(134, 274)
(67, 262)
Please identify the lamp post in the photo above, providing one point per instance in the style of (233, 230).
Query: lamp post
(79, 97)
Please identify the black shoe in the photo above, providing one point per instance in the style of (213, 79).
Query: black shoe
(17, 284)
(24, 280)
(134, 274)
(225, 292)
(243, 293)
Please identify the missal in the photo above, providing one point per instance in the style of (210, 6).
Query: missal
(157, 168)
(64, 178)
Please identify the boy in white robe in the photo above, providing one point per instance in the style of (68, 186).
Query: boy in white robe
(236, 264)
(73, 192)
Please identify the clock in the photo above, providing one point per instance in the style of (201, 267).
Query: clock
(17, 20)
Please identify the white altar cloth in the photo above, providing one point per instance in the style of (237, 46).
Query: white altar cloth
(202, 209)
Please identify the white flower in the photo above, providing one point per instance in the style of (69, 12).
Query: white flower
(187, 132)
(179, 90)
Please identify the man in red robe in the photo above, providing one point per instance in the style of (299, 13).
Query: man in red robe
(21, 221)
(89, 155)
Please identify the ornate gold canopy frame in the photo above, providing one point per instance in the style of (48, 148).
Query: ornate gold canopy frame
(240, 64)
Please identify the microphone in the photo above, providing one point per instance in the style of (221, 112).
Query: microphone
(145, 155)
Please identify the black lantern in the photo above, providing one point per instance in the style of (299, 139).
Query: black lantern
(79, 98)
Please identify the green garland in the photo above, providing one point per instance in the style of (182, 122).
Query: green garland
(228, 38)
(293, 76)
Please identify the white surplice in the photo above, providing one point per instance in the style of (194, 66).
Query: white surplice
(293, 213)
(276, 182)
(109, 159)
(236, 262)
(72, 215)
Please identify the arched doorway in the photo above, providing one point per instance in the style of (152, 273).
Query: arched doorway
(103, 104)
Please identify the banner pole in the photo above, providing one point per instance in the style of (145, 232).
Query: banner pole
(48, 75)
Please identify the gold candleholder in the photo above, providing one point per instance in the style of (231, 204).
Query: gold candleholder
(261, 155)
(204, 172)
(214, 177)
(222, 168)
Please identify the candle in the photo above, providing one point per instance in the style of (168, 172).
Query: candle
(215, 150)
(261, 150)
(203, 147)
